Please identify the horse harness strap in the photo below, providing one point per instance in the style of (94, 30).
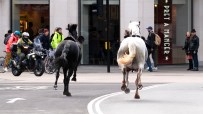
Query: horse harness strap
(136, 36)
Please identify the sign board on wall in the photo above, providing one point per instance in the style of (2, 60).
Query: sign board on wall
(165, 21)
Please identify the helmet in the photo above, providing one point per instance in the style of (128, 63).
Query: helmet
(17, 33)
(25, 34)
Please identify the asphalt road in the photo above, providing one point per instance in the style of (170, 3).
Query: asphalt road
(176, 98)
(28, 94)
(35, 98)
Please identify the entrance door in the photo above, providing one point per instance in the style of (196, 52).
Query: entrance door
(93, 28)
(98, 38)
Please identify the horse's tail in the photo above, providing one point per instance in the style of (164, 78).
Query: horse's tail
(127, 58)
(62, 59)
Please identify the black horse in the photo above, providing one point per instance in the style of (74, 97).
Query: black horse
(67, 56)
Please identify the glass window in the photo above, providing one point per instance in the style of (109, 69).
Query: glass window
(93, 28)
(30, 16)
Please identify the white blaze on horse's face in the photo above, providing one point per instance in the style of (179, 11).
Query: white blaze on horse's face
(134, 28)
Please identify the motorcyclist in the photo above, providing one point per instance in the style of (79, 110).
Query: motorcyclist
(24, 45)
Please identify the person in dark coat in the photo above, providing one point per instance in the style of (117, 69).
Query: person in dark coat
(44, 38)
(187, 51)
(194, 46)
(30, 31)
(151, 48)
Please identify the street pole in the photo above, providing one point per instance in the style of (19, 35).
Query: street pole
(107, 35)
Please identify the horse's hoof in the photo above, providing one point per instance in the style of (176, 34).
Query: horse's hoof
(137, 96)
(127, 90)
(123, 87)
(74, 79)
(67, 94)
(140, 86)
(55, 87)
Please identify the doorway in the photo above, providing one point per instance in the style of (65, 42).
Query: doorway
(93, 28)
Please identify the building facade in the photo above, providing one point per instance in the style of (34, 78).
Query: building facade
(170, 18)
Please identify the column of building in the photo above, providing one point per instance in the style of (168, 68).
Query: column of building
(136, 10)
(63, 12)
(198, 25)
(4, 22)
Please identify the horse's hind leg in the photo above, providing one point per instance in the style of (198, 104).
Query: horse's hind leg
(123, 87)
(138, 84)
(75, 70)
(57, 77)
(66, 81)
(127, 90)
(125, 82)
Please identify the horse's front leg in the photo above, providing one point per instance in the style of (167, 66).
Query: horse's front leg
(74, 75)
(66, 81)
(138, 83)
(57, 77)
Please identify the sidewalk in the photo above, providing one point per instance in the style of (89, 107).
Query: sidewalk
(98, 74)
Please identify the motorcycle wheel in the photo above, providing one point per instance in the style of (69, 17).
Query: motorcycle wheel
(39, 68)
(15, 71)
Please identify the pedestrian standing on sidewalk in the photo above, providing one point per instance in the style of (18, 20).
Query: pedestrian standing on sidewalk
(194, 46)
(187, 50)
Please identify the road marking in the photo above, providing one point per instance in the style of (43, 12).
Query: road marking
(93, 106)
(24, 88)
(14, 100)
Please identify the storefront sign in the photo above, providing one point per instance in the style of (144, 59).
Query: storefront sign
(165, 50)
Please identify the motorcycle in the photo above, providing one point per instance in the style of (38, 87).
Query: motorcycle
(32, 62)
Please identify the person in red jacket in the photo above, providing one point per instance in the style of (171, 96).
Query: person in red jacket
(13, 39)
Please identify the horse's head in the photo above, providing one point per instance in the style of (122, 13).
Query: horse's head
(72, 29)
(134, 27)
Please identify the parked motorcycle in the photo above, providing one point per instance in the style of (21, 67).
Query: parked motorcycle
(33, 62)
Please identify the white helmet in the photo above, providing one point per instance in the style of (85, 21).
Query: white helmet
(25, 34)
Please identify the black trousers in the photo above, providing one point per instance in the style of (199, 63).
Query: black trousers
(154, 57)
(195, 60)
(21, 58)
(190, 64)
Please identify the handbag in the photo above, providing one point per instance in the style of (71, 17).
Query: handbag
(188, 56)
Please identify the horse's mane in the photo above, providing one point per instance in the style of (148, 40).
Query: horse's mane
(134, 28)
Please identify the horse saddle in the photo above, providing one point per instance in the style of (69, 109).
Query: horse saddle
(71, 38)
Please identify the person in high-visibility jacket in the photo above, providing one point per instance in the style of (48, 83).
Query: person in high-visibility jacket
(57, 38)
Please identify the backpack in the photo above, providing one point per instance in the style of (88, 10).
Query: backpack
(157, 40)
(6, 39)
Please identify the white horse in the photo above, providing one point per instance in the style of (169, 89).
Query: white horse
(131, 56)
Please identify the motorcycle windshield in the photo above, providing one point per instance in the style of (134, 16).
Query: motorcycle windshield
(37, 44)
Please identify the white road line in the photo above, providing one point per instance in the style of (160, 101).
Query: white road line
(14, 100)
(93, 106)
